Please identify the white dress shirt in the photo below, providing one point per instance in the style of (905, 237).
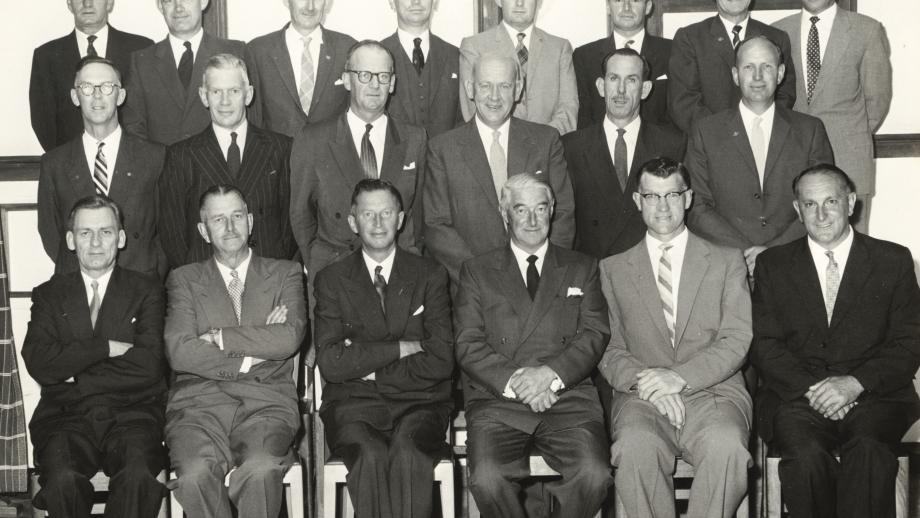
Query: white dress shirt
(110, 150)
(386, 264)
(378, 134)
(637, 40)
(521, 257)
(766, 126)
(408, 43)
(178, 46)
(101, 44)
(825, 24)
(224, 139)
(294, 42)
(225, 275)
(631, 137)
(512, 33)
(676, 254)
(102, 284)
(731, 25)
(841, 254)
(485, 135)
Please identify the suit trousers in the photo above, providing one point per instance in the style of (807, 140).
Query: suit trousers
(390, 449)
(814, 484)
(713, 440)
(126, 443)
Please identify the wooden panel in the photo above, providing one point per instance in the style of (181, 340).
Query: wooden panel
(19, 168)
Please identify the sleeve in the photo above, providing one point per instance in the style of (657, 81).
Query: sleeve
(685, 90)
(565, 114)
(302, 204)
(563, 230)
(49, 224)
(785, 94)
(441, 238)
(42, 102)
(172, 198)
(134, 113)
(288, 243)
(875, 77)
(585, 76)
(618, 365)
(254, 111)
(468, 57)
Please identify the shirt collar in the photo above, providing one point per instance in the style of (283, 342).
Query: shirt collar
(386, 264)
(102, 283)
(178, 45)
(240, 270)
(102, 37)
(731, 25)
(679, 242)
(295, 39)
(512, 33)
(841, 251)
(631, 129)
(620, 40)
(826, 15)
(407, 41)
(223, 135)
(748, 116)
(485, 132)
(521, 255)
(111, 140)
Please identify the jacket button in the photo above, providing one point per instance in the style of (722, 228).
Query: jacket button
(258, 379)
(137, 235)
(756, 195)
(338, 215)
(594, 223)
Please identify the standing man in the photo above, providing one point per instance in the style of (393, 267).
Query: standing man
(468, 166)
(837, 345)
(604, 158)
(54, 118)
(231, 150)
(549, 94)
(165, 78)
(107, 161)
(95, 345)
(297, 70)
(235, 322)
(628, 33)
(743, 159)
(428, 92)
(702, 58)
(385, 348)
(531, 325)
(844, 58)
(682, 326)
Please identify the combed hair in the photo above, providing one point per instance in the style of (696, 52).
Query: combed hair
(373, 44)
(516, 65)
(219, 190)
(96, 201)
(623, 51)
(225, 61)
(89, 60)
(760, 37)
(664, 167)
(518, 183)
(828, 170)
(372, 185)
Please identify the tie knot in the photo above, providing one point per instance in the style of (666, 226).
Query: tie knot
(521, 37)
(91, 39)
(814, 20)
(665, 247)
(187, 45)
(757, 121)
(306, 42)
(100, 146)
(736, 30)
(532, 259)
(377, 270)
(620, 132)
(94, 284)
(418, 43)
(630, 43)
(368, 128)
(233, 137)
(235, 275)
(830, 257)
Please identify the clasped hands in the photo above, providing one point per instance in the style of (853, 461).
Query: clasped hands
(662, 387)
(531, 386)
(835, 396)
(278, 315)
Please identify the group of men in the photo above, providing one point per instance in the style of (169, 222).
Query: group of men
(513, 208)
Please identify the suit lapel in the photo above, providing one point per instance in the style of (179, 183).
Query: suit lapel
(435, 65)
(345, 153)
(364, 298)
(205, 50)
(795, 40)
(777, 140)
(394, 150)
(694, 268)
(257, 293)
(855, 275)
(837, 48)
(533, 53)
(513, 287)
(324, 69)
(477, 162)
(80, 172)
(519, 149)
(598, 158)
(282, 59)
(550, 279)
(73, 50)
(643, 279)
(211, 158)
(805, 279)
(76, 307)
(400, 288)
(212, 290)
(723, 41)
(739, 138)
(115, 304)
(120, 180)
(254, 154)
(640, 154)
(167, 70)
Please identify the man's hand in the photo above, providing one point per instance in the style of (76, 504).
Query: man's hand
(672, 406)
(543, 401)
(842, 412)
(657, 382)
(277, 316)
(409, 347)
(830, 395)
(531, 381)
(750, 257)
(117, 348)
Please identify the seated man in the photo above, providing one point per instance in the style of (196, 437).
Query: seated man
(531, 326)
(95, 344)
(836, 342)
(234, 324)
(384, 346)
(681, 327)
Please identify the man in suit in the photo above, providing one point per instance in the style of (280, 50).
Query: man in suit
(385, 348)
(550, 94)
(231, 150)
(702, 57)
(54, 118)
(742, 159)
(467, 167)
(681, 326)
(604, 158)
(427, 93)
(530, 327)
(165, 78)
(846, 83)
(837, 344)
(294, 87)
(628, 32)
(331, 157)
(95, 345)
(104, 160)
(235, 323)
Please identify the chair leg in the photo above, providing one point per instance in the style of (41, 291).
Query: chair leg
(326, 497)
(773, 507)
(444, 475)
(348, 510)
(619, 511)
(901, 487)
(744, 510)
(293, 492)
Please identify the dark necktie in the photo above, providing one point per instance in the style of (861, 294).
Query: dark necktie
(533, 277)
(619, 158)
(90, 49)
(380, 284)
(813, 55)
(418, 57)
(233, 156)
(368, 158)
(630, 43)
(100, 172)
(736, 36)
(521, 50)
(185, 65)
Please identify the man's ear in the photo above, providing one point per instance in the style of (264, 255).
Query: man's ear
(399, 220)
(250, 91)
(122, 239)
(74, 97)
(346, 80)
(203, 95)
(851, 204)
(468, 86)
(646, 89)
(637, 199)
(780, 73)
(735, 76)
(352, 223)
(71, 244)
(122, 95)
(798, 210)
(203, 230)
(599, 83)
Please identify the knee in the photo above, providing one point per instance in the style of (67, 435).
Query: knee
(806, 456)
(196, 473)
(592, 475)
(636, 445)
(486, 477)
(62, 480)
(261, 467)
(724, 445)
(371, 453)
(134, 474)
(869, 448)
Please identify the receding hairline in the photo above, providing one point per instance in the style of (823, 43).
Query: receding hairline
(512, 64)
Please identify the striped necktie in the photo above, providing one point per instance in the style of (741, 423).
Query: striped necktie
(368, 157)
(736, 36)
(307, 79)
(665, 289)
(90, 48)
(100, 172)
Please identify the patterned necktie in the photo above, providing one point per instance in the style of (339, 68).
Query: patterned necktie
(832, 277)
(665, 290)
(533, 277)
(620, 159)
(307, 79)
(813, 55)
(418, 57)
(368, 158)
(235, 288)
(100, 172)
(498, 163)
(233, 156)
(521, 51)
(94, 304)
(736, 36)
(185, 65)
(380, 284)
(759, 147)
(629, 43)
(90, 49)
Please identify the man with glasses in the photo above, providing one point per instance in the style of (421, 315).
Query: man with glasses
(681, 315)
(104, 160)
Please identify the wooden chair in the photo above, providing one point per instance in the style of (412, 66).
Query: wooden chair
(100, 484)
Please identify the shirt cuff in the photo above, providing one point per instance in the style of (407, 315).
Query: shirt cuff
(246, 365)
(219, 339)
(556, 385)
(508, 392)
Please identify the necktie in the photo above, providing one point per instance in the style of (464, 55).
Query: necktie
(418, 57)
(90, 49)
(521, 51)
(736, 36)
(498, 163)
(94, 304)
(235, 288)
(185, 65)
(100, 172)
(368, 158)
(233, 156)
(665, 290)
(813, 55)
(832, 276)
(307, 79)
(629, 43)
(533, 277)
(620, 159)
(380, 284)
(759, 147)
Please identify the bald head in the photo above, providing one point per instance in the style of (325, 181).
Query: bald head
(495, 87)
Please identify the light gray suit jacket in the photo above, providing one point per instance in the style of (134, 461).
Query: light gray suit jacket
(853, 92)
(550, 91)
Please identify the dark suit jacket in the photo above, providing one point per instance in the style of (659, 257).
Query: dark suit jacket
(195, 164)
(607, 221)
(460, 205)
(417, 308)
(277, 101)
(700, 70)
(55, 119)
(874, 334)
(66, 177)
(589, 60)
(158, 108)
(729, 206)
(325, 167)
(499, 329)
(440, 110)
(61, 344)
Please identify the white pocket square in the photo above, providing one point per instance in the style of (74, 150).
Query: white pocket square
(133, 320)
(453, 75)
(538, 173)
(419, 311)
(409, 167)
(662, 76)
(70, 380)
(574, 292)
(338, 82)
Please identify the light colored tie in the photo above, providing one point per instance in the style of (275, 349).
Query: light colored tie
(665, 289)
(235, 288)
(94, 304)
(832, 277)
(307, 79)
(759, 147)
(100, 172)
(498, 163)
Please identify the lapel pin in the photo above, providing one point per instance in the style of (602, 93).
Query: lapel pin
(127, 174)
(735, 134)
(720, 39)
